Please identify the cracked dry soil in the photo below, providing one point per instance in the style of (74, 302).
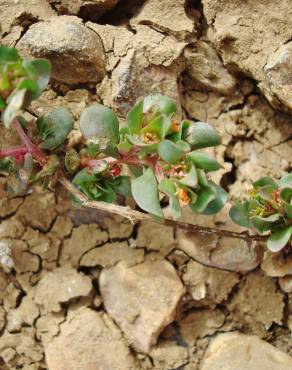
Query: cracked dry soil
(84, 290)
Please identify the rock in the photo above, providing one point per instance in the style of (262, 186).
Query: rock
(277, 265)
(88, 341)
(167, 16)
(24, 314)
(59, 286)
(83, 238)
(199, 324)
(23, 260)
(278, 74)
(11, 228)
(48, 326)
(286, 284)
(20, 349)
(208, 285)
(141, 299)
(225, 253)
(118, 227)
(168, 355)
(8, 206)
(21, 12)
(237, 32)
(35, 206)
(92, 9)
(150, 53)
(257, 303)
(6, 260)
(244, 352)
(75, 51)
(155, 237)
(206, 70)
(111, 253)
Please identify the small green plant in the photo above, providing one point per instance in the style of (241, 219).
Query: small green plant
(153, 158)
(268, 210)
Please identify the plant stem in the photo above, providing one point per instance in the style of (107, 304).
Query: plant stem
(35, 151)
(134, 215)
(13, 152)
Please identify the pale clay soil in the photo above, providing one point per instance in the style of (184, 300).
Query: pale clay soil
(85, 290)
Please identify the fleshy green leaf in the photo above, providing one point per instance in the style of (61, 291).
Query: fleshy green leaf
(203, 161)
(286, 194)
(218, 203)
(279, 239)
(239, 213)
(6, 164)
(205, 197)
(263, 224)
(286, 181)
(167, 187)
(159, 103)
(134, 118)
(265, 181)
(288, 210)
(201, 135)
(15, 104)
(145, 193)
(8, 54)
(160, 125)
(202, 178)
(191, 178)
(39, 70)
(54, 127)
(100, 125)
(169, 151)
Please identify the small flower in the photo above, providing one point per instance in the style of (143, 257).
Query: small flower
(150, 138)
(116, 170)
(183, 196)
(175, 126)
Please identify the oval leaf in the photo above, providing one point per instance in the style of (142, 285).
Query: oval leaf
(239, 213)
(160, 103)
(201, 135)
(54, 127)
(134, 118)
(100, 124)
(205, 197)
(279, 239)
(145, 193)
(204, 161)
(167, 187)
(169, 151)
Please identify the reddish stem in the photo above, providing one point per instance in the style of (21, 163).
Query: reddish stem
(13, 152)
(35, 151)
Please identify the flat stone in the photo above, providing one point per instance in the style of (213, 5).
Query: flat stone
(83, 238)
(141, 299)
(89, 341)
(206, 70)
(244, 352)
(35, 207)
(60, 286)
(199, 324)
(75, 51)
(111, 253)
(257, 303)
(208, 285)
(166, 15)
(225, 253)
(276, 265)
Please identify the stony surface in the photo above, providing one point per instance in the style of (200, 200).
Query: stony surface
(89, 341)
(75, 52)
(243, 352)
(60, 286)
(141, 299)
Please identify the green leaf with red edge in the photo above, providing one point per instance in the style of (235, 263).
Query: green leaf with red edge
(145, 193)
(279, 239)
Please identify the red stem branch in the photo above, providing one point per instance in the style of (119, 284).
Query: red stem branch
(35, 151)
(13, 152)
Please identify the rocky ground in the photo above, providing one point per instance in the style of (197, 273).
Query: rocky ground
(83, 290)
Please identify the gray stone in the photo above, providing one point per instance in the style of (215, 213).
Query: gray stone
(76, 52)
